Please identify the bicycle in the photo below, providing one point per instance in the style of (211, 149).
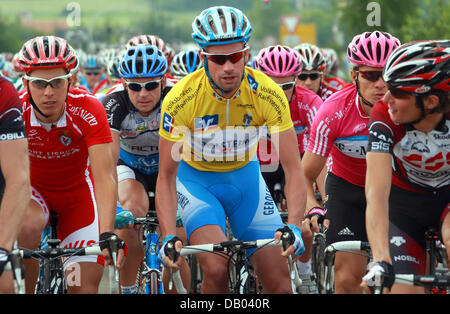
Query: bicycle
(326, 282)
(439, 278)
(46, 256)
(150, 274)
(241, 277)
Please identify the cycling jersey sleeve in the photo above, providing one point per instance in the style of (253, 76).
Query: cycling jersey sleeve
(381, 135)
(275, 107)
(116, 111)
(97, 131)
(11, 123)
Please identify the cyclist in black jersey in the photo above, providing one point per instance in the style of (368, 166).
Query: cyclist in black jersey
(14, 175)
(134, 110)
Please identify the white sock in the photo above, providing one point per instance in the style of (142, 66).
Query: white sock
(304, 268)
(129, 289)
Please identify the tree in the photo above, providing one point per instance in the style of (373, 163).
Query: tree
(358, 16)
(13, 35)
(428, 22)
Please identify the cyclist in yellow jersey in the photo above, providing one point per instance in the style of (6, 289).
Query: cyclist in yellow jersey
(214, 117)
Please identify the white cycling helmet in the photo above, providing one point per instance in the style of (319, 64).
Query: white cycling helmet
(221, 25)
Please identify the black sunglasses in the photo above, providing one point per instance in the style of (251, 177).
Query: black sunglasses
(313, 76)
(372, 76)
(137, 87)
(93, 72)
(222, 58)
(398, 93)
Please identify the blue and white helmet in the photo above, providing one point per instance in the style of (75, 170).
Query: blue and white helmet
(221, 25)
(143, 61)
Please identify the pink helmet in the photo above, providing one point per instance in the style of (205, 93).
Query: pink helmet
(278, 61)
(371, 49)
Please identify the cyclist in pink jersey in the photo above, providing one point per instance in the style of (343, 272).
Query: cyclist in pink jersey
(408, 169)
(283, 64)
(71, 167)
(340, 130)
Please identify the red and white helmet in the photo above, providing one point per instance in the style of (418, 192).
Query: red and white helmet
(47, 52)
(371, 49)
(278, 61)
(151, 40)
(419, 67)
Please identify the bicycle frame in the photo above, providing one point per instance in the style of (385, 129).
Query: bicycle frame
(151, 272)
(153, 263)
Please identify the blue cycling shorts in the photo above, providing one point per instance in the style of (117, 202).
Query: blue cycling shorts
(208, 198)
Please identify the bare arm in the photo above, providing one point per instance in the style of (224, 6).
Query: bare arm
(286, 143)
(313, 166)
(14, 205)
(115, 146)
(166, 193)
(105, 179)
(378, 186)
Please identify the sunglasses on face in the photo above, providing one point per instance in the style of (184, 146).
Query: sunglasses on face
(287, 85)
(313, 76)
(372, 76)
(40, 83)
(222, 58)
(93, 73)
(397, 93)
(137, 87)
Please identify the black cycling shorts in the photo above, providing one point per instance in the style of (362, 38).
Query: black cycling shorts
(411, 214)
(346, 207)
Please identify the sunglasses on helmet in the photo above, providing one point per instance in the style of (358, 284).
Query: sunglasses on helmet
(222, 58)
(149, 86)
(372, 76)
(41, 83)
(313, 76)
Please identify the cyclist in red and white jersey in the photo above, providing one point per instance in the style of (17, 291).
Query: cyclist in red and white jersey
(340, 129)
(408, 169)
(312, 75)
(283, 64)
(14, 175)
(71, 166)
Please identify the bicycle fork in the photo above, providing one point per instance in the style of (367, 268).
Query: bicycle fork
(152, 262)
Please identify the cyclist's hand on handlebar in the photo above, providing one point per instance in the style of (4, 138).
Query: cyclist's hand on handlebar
(170, 250)
(313, 220)
(380, 277)
(291, 236)
(113, 249)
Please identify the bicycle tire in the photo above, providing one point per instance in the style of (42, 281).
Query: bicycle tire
(153, 282)
(318, 262)
(248, 283)
(196, 274)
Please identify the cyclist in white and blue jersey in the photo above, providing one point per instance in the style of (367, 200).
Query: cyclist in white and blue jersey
(134, 110)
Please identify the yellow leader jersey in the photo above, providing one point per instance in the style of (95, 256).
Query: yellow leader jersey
(220, 134)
